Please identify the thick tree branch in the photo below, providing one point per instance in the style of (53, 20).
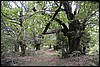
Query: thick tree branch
(15, 22)
(65, 30)
(56, 3)
(68, 10)
(56, 12)
(8, 17)
(28, 16)
(21, 19)
(51, 32)
(48, 24)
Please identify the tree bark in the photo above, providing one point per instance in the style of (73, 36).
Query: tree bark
(84, 50)
(23, 48)
(74, 44)
(74, 33)
(16, 47)
(50, 46)
(37, 46)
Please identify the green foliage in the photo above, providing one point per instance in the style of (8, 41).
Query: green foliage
(61, 43)
(34, 25)
(61, 39)
(85, 39)
(6, 44)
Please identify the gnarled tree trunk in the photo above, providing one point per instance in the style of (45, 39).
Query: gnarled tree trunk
(75, 30)
(74, 34)
(74, 44)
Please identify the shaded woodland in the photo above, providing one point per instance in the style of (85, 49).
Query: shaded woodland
(49, 33)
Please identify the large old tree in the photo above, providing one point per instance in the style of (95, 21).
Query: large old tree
(21, 20)
(75, 29)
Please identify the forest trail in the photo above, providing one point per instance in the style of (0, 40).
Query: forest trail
(49, 58)
(40, 58)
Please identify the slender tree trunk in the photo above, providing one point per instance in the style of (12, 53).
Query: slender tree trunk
(16, 47)
(37, 46)
(50, 46)
(23, 48)
(84, 50)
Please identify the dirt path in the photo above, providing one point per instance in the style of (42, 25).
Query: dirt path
(40, 58)
(50, 58)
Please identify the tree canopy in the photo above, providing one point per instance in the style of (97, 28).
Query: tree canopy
(22, 20)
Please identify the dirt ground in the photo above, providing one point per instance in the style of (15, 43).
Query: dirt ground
(50, 58)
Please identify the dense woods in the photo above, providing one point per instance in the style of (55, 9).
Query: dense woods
(69, 28)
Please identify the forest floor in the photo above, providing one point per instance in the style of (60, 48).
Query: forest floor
(50, 58)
